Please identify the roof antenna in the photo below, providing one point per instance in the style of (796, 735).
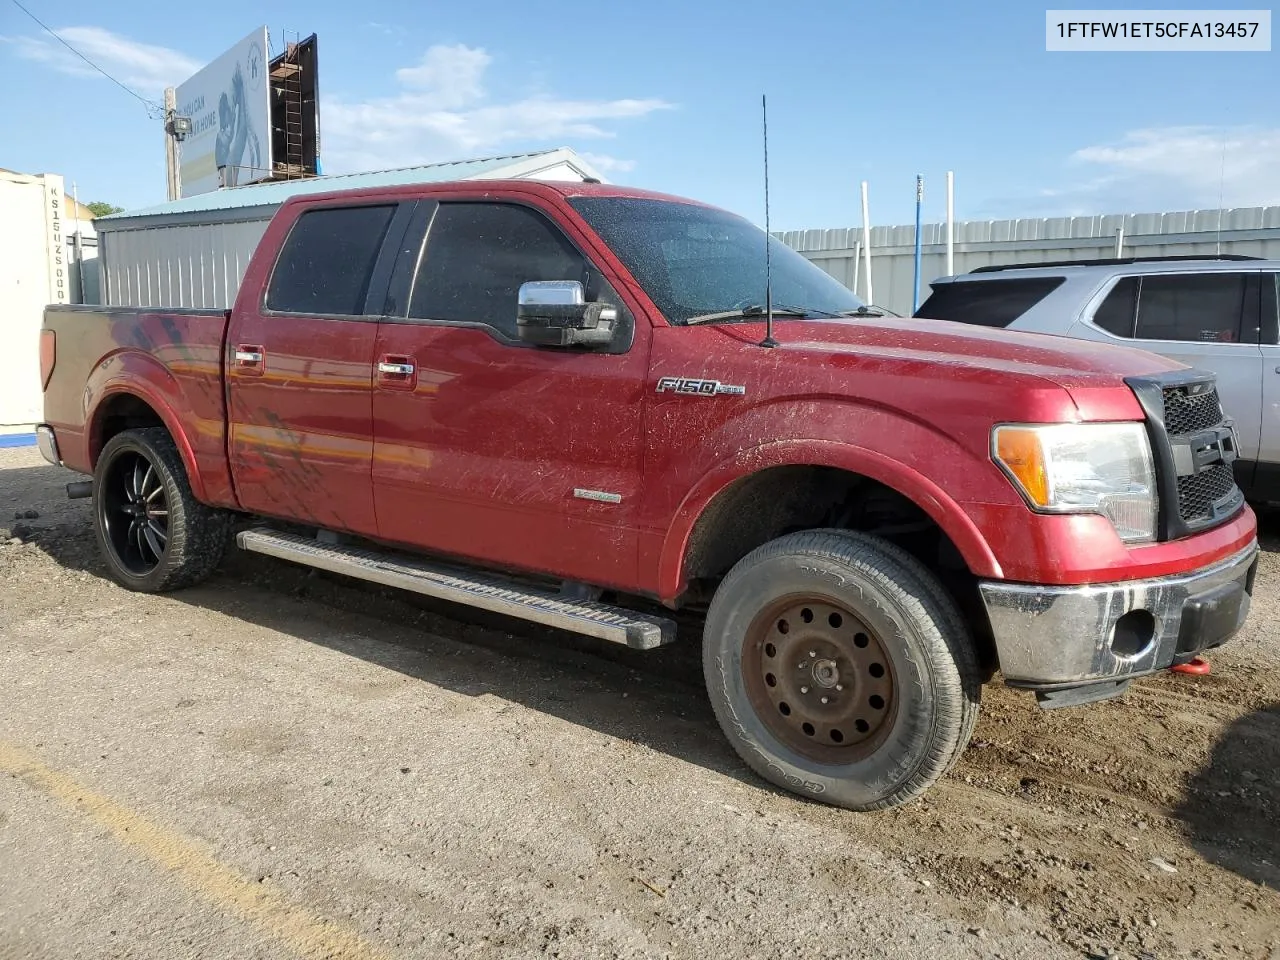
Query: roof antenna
(1222, 180)
(768, 340)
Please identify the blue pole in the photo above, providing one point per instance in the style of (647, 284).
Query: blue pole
(915, 303)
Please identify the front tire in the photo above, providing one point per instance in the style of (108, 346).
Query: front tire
(841, 669)
(153, 533)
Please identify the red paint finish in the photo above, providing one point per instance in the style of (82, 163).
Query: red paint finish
(1084, 548)
(48, 356)
(481, 457)
(478, 452)
(300, 430)
(172, 361)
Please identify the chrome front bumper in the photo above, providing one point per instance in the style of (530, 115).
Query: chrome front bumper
(48, 444)
(1059, 641)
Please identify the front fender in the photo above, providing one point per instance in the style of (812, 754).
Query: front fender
(906, 480)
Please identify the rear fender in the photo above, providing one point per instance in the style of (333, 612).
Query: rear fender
(141, 375)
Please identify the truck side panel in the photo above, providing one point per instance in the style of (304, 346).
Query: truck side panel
(172, 361)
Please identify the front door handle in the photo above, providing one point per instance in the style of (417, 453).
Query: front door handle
(397, 371)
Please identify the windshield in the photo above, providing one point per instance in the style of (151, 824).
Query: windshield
(694, 261)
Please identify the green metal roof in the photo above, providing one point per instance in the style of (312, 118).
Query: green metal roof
(274, 194)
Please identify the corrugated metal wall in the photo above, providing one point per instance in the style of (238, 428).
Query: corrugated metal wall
(195, 265)
(200, 265)
(1253, 231)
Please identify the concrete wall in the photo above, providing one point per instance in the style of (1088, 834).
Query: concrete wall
(1252, 231)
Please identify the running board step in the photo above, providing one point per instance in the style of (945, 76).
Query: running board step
(497, 595)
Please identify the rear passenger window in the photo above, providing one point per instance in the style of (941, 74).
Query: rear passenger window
(986, 303)
(1118, 311)
(1203, 307)
(478, 254)
(327, 259)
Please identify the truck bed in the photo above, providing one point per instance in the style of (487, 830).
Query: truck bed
(172, 358)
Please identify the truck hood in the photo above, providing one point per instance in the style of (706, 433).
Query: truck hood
(1074, 365)
(907, 362)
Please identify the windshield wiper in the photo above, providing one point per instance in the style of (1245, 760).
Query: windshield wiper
(749, 312)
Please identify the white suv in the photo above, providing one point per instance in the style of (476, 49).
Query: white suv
(1214, 313)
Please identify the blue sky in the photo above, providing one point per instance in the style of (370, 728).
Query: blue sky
(666, 95)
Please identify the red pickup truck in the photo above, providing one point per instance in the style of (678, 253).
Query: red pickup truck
(557, 401)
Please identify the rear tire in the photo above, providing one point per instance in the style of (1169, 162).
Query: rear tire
(840, 669)
(154, 535)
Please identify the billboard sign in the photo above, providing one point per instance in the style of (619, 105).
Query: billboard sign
(228, 103)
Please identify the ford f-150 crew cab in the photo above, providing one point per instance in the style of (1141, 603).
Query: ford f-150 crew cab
(555, 401)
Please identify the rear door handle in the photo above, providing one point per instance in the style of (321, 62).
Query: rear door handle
(250, 359)
(396, 369)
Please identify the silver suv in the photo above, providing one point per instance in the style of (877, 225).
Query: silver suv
(1214, 313)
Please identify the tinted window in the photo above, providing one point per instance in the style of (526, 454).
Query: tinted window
(693, 260)
(987, 303)
(1192, 307)
(327, 258)
(1116, 313)
(477, 255)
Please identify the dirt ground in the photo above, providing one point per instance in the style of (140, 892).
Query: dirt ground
(283, 764)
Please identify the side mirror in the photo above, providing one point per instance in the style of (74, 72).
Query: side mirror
(555, 313)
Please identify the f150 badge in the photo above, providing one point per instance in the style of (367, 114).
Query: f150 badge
(698, 388)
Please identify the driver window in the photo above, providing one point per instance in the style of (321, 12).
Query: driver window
(476, 256)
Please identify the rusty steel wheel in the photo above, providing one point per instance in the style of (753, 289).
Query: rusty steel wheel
(840, 668)
(819, 678)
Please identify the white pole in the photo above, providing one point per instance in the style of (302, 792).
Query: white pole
(170, 145)
(866, 243)
(79, 242)
(951, 223)
(857, 255)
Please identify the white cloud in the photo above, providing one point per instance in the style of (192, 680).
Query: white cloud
(145, 67)
(607, 164)
(1162, 168)
(444, 112)
(448, 77)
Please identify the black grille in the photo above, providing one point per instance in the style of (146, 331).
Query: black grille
(1186, 412)
(1198, 494)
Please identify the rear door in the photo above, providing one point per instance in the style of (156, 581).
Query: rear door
(1207, 320)
(300, 368)
(488, 448)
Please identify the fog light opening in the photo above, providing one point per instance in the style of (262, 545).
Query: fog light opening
(1134, 633)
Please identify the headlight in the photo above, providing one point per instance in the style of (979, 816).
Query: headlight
(1101, 468)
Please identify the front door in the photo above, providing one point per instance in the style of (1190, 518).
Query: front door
(1267, 477)
(487, 448)
(300, 371)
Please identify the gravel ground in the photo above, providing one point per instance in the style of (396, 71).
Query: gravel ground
(283, 764)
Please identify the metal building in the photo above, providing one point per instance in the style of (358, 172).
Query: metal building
(1251, 231)
(193, 252)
